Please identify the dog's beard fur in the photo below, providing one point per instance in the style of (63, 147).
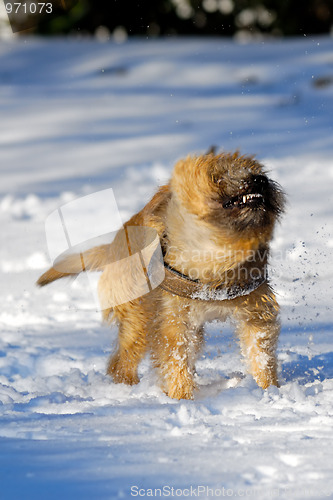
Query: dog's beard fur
(215, 220)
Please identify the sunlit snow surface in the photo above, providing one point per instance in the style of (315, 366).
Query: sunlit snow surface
(81, 116)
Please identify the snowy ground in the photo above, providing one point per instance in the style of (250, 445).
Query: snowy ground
(80, 116)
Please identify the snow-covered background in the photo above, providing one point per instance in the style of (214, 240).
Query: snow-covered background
(81, 116)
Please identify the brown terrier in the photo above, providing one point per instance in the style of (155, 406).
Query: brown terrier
(214, 220)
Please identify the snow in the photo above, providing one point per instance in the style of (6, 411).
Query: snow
(82, 116)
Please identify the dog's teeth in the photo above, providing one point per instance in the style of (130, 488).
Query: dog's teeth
(252, 195)
(246, 197)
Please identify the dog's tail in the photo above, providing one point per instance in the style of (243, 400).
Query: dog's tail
(72, 265)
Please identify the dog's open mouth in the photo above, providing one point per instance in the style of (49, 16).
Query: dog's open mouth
(251, 200)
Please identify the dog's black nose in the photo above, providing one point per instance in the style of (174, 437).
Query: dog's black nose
(259, 183)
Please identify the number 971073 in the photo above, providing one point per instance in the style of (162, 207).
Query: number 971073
(28, 8)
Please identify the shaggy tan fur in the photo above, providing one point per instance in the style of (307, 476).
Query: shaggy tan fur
(211, 233)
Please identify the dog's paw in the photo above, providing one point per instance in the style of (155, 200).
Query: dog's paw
(181, 387)
(265, 379)
(122, 373)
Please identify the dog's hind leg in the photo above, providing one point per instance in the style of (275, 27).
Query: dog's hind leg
(132, 344)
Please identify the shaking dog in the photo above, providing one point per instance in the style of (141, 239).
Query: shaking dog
(214, 220)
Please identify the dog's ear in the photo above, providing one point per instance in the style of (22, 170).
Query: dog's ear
(212, 150)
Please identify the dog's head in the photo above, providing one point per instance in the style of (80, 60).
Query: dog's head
(228, 191)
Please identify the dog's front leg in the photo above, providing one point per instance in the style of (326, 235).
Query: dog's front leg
(175, 344)
(258, 330)
(258, 344)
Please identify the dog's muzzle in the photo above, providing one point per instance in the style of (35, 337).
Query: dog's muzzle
(252, 195)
